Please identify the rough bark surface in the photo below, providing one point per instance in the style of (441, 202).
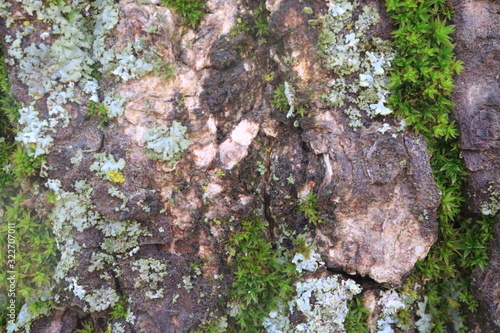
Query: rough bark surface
(376, 194)
(477, 112)
(477, 99)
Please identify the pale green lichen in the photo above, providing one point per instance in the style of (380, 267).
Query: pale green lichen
(4, 12)
(151, 273)
(424, 324)
(74, 210)
(126, 240)
(113, 191)
(310, 264)
(101, 299)
(118, 328)
(166, 143)
(308, 259)
(188, 284)
(322, 302)
(104, 163)
(345, 50)
(77, 159)
(129, 66)
(493, 206)
(33, 132)
(290, 97)
(114, 104)
(99, 261)
(54, 70)
(390, 302)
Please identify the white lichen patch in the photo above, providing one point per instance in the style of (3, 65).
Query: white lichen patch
(114, 192)
(132, 64)
(121, 237)
(424, 324)
(492, 207)
(346, 51)
(323, 303)
(390, 302)
(114, 104)
(74, 210)
(77, 158)
(310, 262)
(60, 68)
(33, 133)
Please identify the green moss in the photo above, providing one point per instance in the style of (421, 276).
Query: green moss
(34, 250)
(309, 206)
(421, 85)
(356, 320)
(99, 110)
(261, 278)
(191, 11)
(167, 71)
(279, 100)
(88, 327)
(255, 23)
(25, 165)
(33, 254)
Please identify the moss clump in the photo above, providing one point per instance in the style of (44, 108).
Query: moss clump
(32, 253)
(261, 277)
(309, 206)
(27, 245)
(191, 11)
(421, 85)
(356, 320)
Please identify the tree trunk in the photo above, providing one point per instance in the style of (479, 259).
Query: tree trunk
(167, 140)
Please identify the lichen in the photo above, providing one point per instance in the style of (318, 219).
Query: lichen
(151, 273)
(121, 242)
(77, 159)
(33, 132)
(345, 51)
(309, 262)
(321, 301)
(104, 164)
(167, 143)
(390, 302)
(492, 207)
(424, 324)
(116, 176)
(129, 66)
(114, 104)
(113, 191)
(101, 299)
